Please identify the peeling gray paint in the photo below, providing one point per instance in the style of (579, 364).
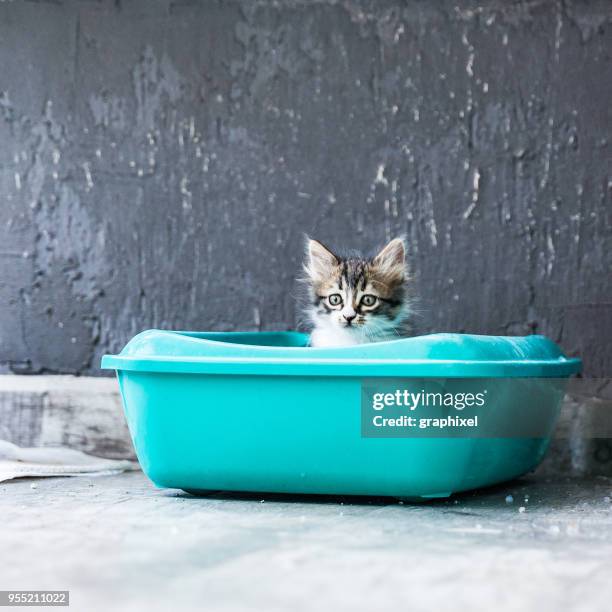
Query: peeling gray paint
(160, 161)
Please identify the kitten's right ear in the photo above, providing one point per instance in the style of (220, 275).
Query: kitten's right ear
(320, 260)
(391, 261)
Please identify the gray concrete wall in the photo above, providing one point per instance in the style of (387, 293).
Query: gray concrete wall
(160, 160)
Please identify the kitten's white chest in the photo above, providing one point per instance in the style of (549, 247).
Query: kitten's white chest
(330, 337)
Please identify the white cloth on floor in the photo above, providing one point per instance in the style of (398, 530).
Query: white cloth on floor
(17, 462)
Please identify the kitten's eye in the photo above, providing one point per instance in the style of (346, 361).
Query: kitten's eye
(369, 300)
(335, 299)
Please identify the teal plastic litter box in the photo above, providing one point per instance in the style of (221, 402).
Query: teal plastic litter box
(262, 411)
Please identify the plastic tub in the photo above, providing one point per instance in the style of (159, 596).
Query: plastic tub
(261, 411)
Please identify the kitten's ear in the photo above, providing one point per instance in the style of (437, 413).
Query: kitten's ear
(391, 261)
(320, 260)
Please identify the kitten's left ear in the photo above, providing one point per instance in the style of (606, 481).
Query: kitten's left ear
(320, 260)
(391, 260)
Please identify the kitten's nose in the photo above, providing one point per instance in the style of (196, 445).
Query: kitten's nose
(349, 317)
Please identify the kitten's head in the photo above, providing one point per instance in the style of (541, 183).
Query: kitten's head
(363, 296)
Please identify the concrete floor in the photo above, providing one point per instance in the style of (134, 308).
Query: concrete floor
(120, 544)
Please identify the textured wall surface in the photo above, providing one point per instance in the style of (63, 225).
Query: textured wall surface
(81, 412)
(159, 162)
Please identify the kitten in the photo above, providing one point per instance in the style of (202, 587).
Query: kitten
(354, 299)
